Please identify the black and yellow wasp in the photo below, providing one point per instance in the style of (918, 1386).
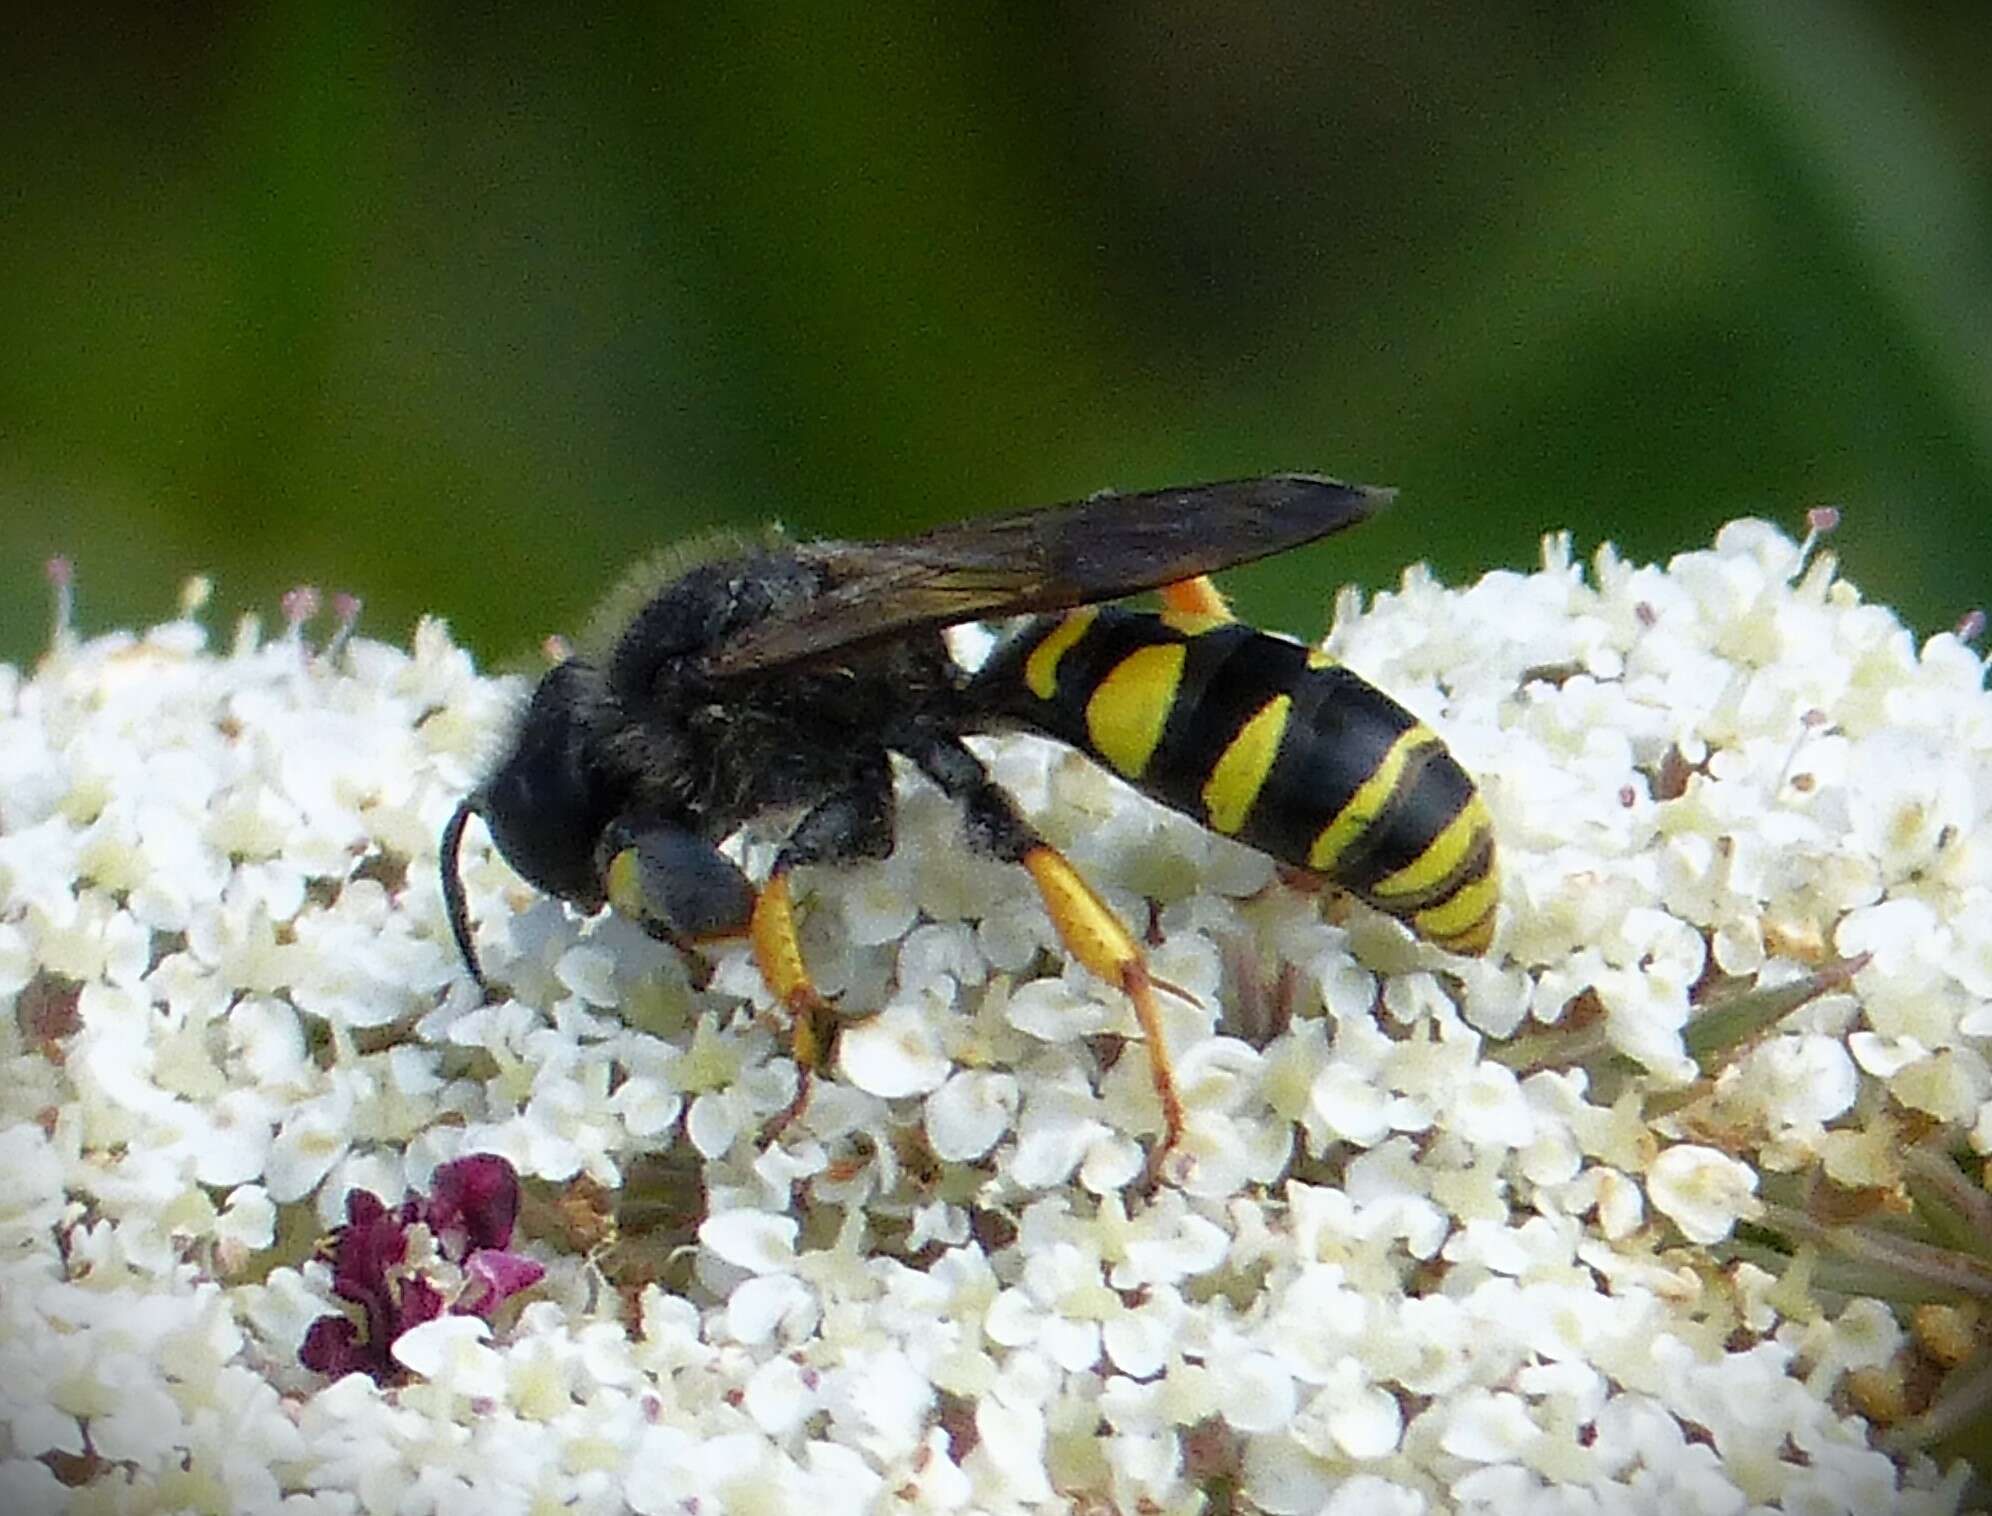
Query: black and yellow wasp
(780, 676)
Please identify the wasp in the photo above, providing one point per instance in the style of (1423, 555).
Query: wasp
(779, 677)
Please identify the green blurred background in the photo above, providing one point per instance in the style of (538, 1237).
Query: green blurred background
(462, 310)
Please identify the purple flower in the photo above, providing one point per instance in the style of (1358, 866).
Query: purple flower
(471, 1207)
(476, 1198)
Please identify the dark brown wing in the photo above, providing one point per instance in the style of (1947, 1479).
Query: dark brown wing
(1040, 560)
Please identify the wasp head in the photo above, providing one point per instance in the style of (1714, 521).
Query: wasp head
(545, 804)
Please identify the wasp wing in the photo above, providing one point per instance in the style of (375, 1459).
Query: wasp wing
(1099, 548)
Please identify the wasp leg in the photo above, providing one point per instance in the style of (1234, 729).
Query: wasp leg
(1086, 924)
(1194, 605)
(852, 825)
(672, 882)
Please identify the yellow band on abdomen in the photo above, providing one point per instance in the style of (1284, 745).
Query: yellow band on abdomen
(1241, 769)
(1129, 708)
(1041, 668)
(1371, 796)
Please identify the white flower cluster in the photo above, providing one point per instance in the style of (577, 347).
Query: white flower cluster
(1395, 1272)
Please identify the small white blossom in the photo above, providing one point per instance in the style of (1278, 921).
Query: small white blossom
(969, 1112)
(1489, 1427)
(450, 1353)
(1701, 1191)
(896, 1052)
(1489, 1110)
(752, 1240)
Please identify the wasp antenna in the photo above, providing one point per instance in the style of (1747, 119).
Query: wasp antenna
(454, 902)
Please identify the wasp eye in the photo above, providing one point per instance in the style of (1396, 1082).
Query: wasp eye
(548, 803)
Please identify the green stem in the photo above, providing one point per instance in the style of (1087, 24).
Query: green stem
(1957, 1212)
(1958, 1273)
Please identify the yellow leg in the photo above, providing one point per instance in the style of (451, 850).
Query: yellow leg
(1094, 935)
(1194, 605)
(778, 953)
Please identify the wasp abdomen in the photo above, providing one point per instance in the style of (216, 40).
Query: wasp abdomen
(1267, 741)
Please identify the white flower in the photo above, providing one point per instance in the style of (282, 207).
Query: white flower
(752, 1240)
(30, 1184)
(1701, 1191)
(896, 1052)
(1488, 1427)
(1439, 1233)
(1350, 1416)
(31, 1488)
(969, 1112)
(1490, 1111)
